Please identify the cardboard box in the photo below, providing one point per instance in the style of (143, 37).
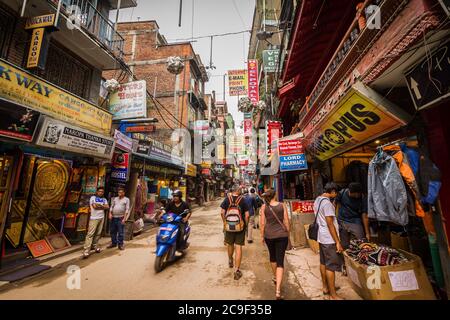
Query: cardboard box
(406, 281)
(399, 242)
(313, 244)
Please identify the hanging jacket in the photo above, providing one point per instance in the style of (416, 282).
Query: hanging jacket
(387, 196)
(405, 170)
(413, 158)
(430, 180)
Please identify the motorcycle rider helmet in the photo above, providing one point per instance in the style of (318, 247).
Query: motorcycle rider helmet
(177, 193)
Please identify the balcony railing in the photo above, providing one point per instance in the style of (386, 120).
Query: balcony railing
(94, 23)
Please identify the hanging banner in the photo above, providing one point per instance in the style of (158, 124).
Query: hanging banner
(360, 116)
(253, 82)
(120, 166)
(123, 142)
(237, 82)
(18, 122)
(63, 136)
(21, 87)
(274, 131)
(270, 60)
(292, 155)
(130, 101)
(248, 126)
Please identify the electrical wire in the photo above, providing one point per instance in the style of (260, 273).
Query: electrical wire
(212, 35)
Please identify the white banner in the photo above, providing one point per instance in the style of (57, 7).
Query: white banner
(123, 142)
(63, 136)
(130, 101)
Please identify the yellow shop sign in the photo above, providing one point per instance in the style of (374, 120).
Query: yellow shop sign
(25, 89)
(35, 47)
(191, 170)
(46, 20)
(361, 115)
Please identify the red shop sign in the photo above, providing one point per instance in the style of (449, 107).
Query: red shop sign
(274, 132)
(300, 206)
(253, 83)
(289, 147)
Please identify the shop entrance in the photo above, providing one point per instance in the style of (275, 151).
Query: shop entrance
(36, 209)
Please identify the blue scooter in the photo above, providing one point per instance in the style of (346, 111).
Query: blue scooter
(166, 239)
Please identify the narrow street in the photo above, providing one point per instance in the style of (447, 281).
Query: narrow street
(202, 273)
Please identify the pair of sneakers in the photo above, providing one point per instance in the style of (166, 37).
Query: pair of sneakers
(237, 273)
(121, 247)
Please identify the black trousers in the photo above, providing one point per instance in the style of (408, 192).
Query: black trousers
(277, 250)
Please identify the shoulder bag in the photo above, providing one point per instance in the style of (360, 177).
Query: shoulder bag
(313, 230)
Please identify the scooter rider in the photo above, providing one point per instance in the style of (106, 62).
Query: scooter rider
(178, 206)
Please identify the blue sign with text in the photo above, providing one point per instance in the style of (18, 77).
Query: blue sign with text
(293, 162)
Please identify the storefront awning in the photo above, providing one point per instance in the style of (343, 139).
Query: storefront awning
(318, 30)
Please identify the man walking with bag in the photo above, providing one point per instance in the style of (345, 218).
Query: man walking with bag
(325, 231)
(235, 216)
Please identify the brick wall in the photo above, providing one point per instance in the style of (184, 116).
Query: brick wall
(147, 59)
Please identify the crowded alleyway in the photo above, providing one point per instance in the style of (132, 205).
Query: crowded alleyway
(202, 273)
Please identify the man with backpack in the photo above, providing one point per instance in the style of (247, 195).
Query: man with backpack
(235, 216)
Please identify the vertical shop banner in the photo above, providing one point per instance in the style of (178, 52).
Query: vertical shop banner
(237, 82)
(130, 101)
(235, 145)
(270, 60)
(274, 130)
(120, 166)
(253, 83)
(248, 126)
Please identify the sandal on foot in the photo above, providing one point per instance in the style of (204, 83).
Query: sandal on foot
(278, 295)
(230, 263)
(327, 293)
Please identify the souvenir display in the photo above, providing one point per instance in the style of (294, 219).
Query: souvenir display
(50, 186)
(90, 180)
(372, 254)
(70, 221)
(39, 248)
(57, 241)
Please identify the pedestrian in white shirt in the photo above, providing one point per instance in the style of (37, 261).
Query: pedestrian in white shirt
(98, 204)
(329, 244)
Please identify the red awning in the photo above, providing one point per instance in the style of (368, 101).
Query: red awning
(319, 27)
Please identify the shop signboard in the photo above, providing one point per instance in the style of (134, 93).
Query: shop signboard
(206, 172)
(235, 144)
(18, 122)
(129, 101)
(253, 83)
(237, 82)
(360, 116)
(274, 131)
(302, 206)
(63, 136)
(292, 154)
(156, 150)
(46, 20)
(270, 60)
(123, 142)
(120, 164)
(138, 165)
(146, 128)
(23, 88)
(429, 81)
(190, 170)
(201, 127)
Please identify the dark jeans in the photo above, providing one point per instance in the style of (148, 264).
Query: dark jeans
(180, 241)
(116, 230)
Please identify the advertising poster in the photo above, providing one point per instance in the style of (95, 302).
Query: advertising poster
(237, 82)
(18, 123)
(130, 101)
(120, 165)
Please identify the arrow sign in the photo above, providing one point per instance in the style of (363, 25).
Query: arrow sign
(415, 88)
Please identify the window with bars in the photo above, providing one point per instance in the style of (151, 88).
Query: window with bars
(65, 71)
(7, 23)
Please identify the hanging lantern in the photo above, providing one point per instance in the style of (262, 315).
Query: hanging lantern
(245, 104)
(175, 65)
(111, 85)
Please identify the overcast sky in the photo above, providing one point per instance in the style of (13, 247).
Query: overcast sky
(210, 17)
